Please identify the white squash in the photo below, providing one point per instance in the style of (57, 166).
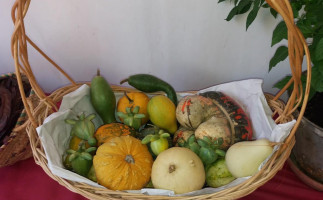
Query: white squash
(178, 169)
(216, 128)
(244, 158)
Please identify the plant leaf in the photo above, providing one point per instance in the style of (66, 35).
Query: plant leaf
(253, 13)
(242, 7)
(305, 27)
(317, 74)
(266, 5)
(319, 50)
(279, 33)
(232, 13)
(273, 12)
(280, 55)
(280, 84)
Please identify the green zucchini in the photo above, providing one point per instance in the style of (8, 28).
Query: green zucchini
(149, 83)
(103, 99)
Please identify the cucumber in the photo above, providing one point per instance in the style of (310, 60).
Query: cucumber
(149, 83)
(103, 99)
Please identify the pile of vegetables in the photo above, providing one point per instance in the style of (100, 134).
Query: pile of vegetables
(160, 142)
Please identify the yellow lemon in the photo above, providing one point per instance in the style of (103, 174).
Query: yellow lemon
(162, 113)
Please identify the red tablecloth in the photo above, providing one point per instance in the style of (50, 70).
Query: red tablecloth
(27, 181)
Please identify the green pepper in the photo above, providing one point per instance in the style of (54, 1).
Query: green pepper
(148, 83)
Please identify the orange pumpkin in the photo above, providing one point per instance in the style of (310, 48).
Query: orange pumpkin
(107, 131)
(123, 163)
(133, 99)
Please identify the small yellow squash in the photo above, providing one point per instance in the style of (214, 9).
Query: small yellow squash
(123, 163)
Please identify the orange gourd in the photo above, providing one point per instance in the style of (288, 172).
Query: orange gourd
(123, 163)
(133, 99)
(75, 143)
(107, 131)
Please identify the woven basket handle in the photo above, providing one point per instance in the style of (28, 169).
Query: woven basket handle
(297, 46)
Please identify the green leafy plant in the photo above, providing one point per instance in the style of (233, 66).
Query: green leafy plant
(308, 15)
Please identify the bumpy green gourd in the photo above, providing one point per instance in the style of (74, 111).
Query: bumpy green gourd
(83, 128)
(207, 149)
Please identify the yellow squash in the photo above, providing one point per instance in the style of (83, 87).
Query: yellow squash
(162, 113)
(123, 163)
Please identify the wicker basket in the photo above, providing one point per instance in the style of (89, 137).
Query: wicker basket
(16, 146)
(297, 47)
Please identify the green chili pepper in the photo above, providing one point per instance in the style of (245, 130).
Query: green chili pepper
(148, 83)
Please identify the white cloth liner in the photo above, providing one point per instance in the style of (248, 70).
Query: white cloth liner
(55, 133)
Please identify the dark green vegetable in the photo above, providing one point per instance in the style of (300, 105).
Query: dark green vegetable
(81, 166)
(148, 83)
(80, 161)
(103, 99)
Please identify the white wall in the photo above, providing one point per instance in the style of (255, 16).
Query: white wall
(185, 42)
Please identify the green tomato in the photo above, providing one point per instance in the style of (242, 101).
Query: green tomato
(81, 166)
(159, 145)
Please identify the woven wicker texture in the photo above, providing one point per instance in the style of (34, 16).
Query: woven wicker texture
(297, 48)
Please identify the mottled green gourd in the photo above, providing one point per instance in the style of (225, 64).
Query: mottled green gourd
(103, 98)
(83, 128)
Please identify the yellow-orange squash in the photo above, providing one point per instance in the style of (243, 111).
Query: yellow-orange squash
(75, 143)
(123, 163)
(107, 131)
(133, 99)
